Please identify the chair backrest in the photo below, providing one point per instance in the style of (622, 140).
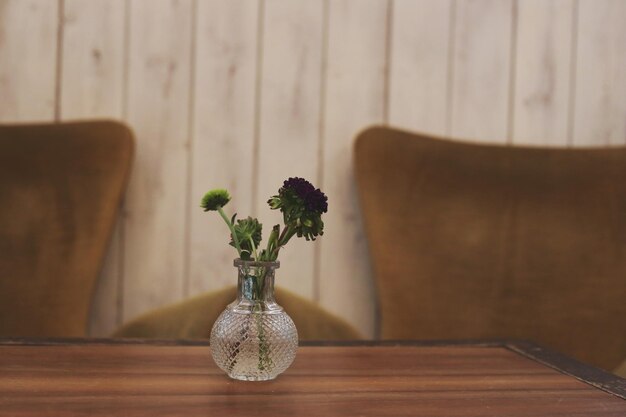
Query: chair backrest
(193, 318)
(60, 189)
(484, 241)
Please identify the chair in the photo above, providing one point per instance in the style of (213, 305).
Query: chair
(193, 318)
(621, 370)
(60, 189)
(485, 241)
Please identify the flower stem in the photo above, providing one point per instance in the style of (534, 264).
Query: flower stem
(256, 257)
(232, 229)
(265, 361)
(287, 234)
(284, 237)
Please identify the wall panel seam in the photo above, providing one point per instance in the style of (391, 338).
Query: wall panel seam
(571, 108)
(450, 67)
(122, 236)
(388, 58)
(512, 72)
(317, 250)
(190, 146)
(59, 60)
(258, 92)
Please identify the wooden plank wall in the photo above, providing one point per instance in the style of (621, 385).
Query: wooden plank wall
(242, 94)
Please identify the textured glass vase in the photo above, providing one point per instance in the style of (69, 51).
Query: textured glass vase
(254, 339)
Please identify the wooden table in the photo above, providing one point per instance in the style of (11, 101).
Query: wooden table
(126, 378)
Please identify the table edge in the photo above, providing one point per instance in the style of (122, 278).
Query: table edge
(596, 377)
(31, 341)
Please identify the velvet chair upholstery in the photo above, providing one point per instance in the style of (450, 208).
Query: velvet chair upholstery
(485, 241)
(60, 189)
(194, 318)
(621, 370)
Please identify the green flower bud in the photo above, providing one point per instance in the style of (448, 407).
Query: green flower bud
(274, 202)
(215, 199)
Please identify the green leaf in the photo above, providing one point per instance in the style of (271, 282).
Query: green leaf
(246, 230)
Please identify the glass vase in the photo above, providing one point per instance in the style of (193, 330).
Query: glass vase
(254, 339)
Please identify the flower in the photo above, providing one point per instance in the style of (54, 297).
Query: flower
(302, 206)
(215, 199)
(314, 199)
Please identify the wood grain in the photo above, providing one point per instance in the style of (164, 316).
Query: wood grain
(138, 380)
(419, 68)
(355, 96)
(92, 82)
(158, 109)
(542, 72)
(481, 70)
(289, 132)
(28, 60)
(223, 133)
(600, 98)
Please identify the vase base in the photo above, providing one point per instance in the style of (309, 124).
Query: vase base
(252, 378)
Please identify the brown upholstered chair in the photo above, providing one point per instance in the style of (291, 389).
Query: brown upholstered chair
(484, 241)
(193, 318)
(60, 189)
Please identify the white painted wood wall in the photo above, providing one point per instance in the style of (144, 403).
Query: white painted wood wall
(242, 94)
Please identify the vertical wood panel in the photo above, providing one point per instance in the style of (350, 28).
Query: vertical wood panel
(600, 102)
(354, 98)
(28, 48)
(419, 65)
(93, 59)
(543, 60)
(289, 120)
(158, 105)
(92, 87)
(480, 82)
(224, 120)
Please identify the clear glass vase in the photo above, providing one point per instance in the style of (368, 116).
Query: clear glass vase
(254, 339)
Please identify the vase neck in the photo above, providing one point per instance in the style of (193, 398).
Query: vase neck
(255, 285)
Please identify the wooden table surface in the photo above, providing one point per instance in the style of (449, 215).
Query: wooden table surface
(126, 378)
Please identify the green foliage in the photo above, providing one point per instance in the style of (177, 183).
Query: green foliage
(249, 234)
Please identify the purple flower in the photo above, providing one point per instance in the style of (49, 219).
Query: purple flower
(314, 199)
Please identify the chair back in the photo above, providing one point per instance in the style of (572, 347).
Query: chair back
(60, 190)
(483, 241)
(193, 318)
